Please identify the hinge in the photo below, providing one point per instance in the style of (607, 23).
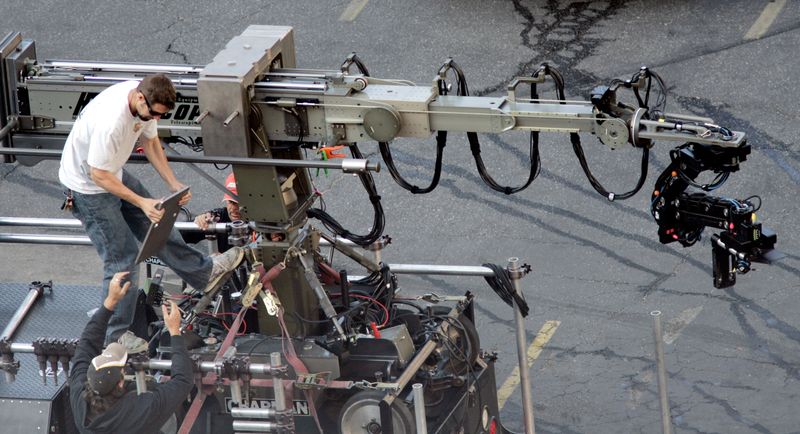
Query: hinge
(36, 122)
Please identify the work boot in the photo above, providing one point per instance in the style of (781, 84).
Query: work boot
(132, 343)
(222, 266)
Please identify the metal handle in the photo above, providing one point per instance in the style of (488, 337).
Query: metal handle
(512, 87)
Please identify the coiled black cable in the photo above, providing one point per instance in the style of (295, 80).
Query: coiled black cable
(501, 284)
(379, 221)
(598, 187)
(658, 108)
(386, 153)
(475, 147)
(441, 139)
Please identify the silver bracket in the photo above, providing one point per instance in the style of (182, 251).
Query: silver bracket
(339, 132)
(36, 122)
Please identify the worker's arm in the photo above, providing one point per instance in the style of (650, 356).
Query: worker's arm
(167, 397)
(91, 342)
(156, 156)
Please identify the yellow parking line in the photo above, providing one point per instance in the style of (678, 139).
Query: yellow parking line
(765, 20)
(352, 10)
(511, 383)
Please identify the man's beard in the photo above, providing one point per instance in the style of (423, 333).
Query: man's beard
(144, 118)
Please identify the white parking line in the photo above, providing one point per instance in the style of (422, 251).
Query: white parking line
(765, 20)
(352, 10)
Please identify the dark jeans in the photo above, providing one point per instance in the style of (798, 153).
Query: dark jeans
(114, 225)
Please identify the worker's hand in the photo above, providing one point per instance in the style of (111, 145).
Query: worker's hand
(172, 318)
(148, 207)
(117, 289)
(186, 197)
(203, 220)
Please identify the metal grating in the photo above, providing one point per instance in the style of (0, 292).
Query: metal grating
(62, 314)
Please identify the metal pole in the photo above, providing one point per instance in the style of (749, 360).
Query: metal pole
(419, 408)
(12, 122)
(39, 222)
(34, 292)
(348, 165)
(141, 382)
(277, 383)
(351, 252)
(252, 413)
(666, 419)
(254, 426)
(522, 354)
(444, 270)
(70, 240)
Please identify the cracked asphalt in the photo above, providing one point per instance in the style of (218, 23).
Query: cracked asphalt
(731, 354)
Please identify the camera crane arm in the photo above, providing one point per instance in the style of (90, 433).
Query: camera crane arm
(252, 102)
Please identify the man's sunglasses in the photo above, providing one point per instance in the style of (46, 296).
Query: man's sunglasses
(153, 113)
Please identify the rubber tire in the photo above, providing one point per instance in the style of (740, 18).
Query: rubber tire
(402, 418)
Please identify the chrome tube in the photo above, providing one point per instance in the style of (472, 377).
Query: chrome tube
(277, 384)
(33, 294)
(666, 419)
(205, 366)
(522, 353)
(236, 391)
(160, 127)
(21, 348)
(122, 67)
(447, 270)
(419, 408)
(350, 252)
(40, 222)
(252, 413)
(70, 240)
(76, 224)
(278, 85)
(254, 426)
(338, 164)
(141, 382)
(12, 122)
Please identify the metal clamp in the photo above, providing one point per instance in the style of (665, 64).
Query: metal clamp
(309, 381)
(518, 273)
(7, 361)
(254, 286)
(271, 303)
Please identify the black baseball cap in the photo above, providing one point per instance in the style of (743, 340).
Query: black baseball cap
(105, 371)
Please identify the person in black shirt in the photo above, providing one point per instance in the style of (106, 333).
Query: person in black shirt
(230, 212)
(99, 399)
(226, 214)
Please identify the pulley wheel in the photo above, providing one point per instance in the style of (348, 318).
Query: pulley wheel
(361, 414)
(381, 124)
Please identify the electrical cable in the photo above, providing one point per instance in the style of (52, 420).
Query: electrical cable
(475, 147)
(658, 109)
(441, 142)
(379, 218)
(500, 282)
(755, 196)
(386, 153)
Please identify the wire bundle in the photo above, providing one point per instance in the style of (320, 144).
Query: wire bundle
(379, 221)
(501, 284)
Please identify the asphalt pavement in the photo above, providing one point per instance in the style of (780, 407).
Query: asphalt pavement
(731, 354)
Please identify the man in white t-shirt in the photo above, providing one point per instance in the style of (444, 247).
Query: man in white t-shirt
(113, 206)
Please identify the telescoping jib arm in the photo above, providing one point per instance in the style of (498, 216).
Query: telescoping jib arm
(42, 99)
(251, 101)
